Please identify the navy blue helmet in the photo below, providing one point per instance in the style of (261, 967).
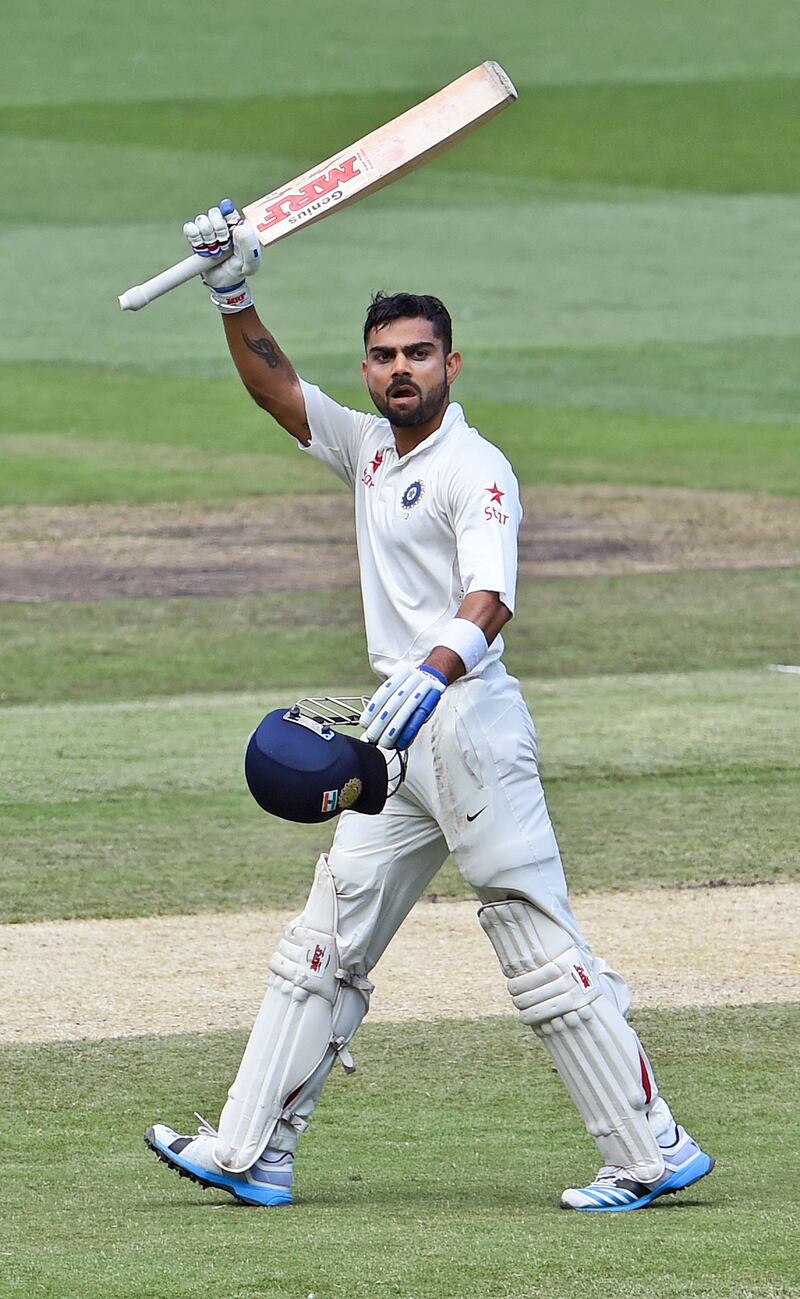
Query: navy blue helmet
(299, 768)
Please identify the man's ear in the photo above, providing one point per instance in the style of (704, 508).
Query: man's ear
(364, 372)
(452, 367)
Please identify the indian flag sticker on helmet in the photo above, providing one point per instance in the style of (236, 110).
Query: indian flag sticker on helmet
(330, 800)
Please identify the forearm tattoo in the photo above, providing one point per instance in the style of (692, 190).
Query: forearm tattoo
(265, 348)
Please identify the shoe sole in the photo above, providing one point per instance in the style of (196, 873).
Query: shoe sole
(700, 1166)
(210, 1181)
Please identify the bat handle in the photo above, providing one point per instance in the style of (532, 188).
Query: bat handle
(139, 296)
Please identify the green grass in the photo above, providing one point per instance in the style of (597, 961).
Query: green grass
(723, 722)
(725, 135)
(183, 852)
(419, 1177)
(548, 444)
(698, 390)
(56, 470)
(649, 200)
(85, 434)
(138, 410)
(721, 135)
(127, 649)
(151, 52)
(675, 272)
(138, 648)
(131, 809)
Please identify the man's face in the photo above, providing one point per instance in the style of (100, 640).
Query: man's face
(407, 372)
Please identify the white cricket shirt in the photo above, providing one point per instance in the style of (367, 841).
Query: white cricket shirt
(431, 526)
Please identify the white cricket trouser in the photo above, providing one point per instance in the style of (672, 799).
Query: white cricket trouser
(472, 789)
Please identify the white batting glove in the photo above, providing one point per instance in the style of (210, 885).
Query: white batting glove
(212, 235)
(402, 705)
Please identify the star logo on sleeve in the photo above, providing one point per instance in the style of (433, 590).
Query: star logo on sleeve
(493, 510)
(368, 475)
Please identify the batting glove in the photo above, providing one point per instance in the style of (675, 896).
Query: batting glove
(402, 705)
(223, 231)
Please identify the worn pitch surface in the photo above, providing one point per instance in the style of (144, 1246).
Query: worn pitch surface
(97, 978)
(257, 546)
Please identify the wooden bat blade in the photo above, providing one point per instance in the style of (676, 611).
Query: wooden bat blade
(383, 156)
(386, 154)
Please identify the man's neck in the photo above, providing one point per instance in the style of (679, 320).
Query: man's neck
(406, 439)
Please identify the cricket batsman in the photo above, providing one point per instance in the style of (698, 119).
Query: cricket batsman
(437, 513)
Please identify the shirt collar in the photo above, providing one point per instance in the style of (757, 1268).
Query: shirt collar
(454, 415)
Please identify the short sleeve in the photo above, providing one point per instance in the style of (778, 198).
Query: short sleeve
(336, 432)
(486, 513)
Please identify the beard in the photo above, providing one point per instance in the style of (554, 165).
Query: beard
(427, 407)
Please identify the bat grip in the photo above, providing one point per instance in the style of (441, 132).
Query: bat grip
(139, 296)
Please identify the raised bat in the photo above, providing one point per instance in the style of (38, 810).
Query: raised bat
(381, 157)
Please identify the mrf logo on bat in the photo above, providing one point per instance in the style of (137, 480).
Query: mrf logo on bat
(327, 187)
(381, 156)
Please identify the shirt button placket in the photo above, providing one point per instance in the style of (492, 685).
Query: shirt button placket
(385, 490)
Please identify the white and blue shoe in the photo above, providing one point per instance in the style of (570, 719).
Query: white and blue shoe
(267, 1183)
(614, 1190)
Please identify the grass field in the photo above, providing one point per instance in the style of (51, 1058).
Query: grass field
(444, 1189)
(652, 780)
(620, 255)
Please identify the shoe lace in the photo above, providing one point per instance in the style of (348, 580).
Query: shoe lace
(205, 1129)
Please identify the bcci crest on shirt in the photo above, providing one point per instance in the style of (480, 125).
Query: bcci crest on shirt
(412, 495)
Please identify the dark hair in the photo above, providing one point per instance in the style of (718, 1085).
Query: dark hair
(388, 307)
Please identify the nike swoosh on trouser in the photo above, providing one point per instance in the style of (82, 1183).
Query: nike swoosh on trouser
(476, 815)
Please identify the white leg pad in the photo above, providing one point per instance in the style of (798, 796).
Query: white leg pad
(594, 1050)
(294, 1030)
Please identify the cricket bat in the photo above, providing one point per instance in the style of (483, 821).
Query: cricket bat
(381, 157)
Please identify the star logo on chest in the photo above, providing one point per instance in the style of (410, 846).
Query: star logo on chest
(377, 462)
(495, 494)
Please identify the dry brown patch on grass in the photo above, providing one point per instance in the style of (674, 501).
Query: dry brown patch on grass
(266, 544)
(100, 552)
(605, 531)
(99, 978)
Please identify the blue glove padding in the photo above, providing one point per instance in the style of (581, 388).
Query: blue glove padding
(402, 705)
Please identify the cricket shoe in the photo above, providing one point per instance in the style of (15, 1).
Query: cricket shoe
(268, 1182)
(614, 1190)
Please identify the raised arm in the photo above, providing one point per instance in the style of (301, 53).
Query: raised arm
(266, 372)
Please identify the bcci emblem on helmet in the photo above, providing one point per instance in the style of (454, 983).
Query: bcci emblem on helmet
(299, 768)
(350, 792)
